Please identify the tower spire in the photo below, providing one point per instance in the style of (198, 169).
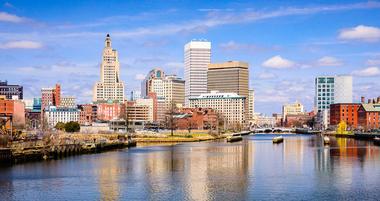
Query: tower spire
(108, 41)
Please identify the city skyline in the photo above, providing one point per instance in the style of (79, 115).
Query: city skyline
(40, 49)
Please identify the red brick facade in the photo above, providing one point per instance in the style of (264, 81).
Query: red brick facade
(347, 112)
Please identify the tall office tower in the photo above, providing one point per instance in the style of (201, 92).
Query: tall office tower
(228, 77)
(11, 92)
(251, 104)
(197, 57)
(332, 89)
(110, 87)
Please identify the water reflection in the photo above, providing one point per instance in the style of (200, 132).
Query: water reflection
(300, 168)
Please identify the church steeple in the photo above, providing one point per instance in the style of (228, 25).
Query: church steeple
(108, 41)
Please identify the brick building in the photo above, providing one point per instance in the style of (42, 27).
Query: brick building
(13, 109)
(369, 116)
(196, 118)
(347, 112)
(109, 111)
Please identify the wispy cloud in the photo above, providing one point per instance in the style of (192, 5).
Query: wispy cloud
(367, 72)
(329, 61)
(6, 17)
(22, 44)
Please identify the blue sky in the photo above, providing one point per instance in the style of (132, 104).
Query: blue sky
(286, 44)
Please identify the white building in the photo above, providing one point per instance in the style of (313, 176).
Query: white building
(263, 121)
(229, 105)
(330, 90)
(54, 114)
(68, 101)
(197, 57)
(292, 109)
(110, 87)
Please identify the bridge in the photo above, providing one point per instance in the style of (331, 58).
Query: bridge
(273, 130)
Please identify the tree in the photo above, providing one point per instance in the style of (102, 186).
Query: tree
(170, 121)
(72, 127)
(60, 126)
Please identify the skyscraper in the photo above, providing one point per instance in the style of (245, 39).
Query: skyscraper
(197, 57)
(332, 89)
(228, 77)
(110, 87)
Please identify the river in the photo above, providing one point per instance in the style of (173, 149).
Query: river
(300, 168)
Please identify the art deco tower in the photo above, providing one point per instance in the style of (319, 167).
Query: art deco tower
(110, 87)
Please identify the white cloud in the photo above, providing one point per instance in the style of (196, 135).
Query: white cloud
(21, 44)
(266, 75)
(278, 62)
(329, 61)
(6, 17)
(361, 33)
(139, 76)
(367, 72)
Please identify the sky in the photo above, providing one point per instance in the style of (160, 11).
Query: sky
(286, 43)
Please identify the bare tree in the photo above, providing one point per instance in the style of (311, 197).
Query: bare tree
(170, 121)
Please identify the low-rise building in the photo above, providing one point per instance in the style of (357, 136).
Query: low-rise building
(68, 101)
(109, 111)
(263, 121)
(369, 116)
(13, 110)
(196, 118)
(54, 114)
(292, 109)
(230, 105)
(347, 112)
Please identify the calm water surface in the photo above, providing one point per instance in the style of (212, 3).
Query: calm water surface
(301, 168)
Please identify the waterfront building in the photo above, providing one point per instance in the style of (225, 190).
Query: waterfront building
(228, 77)
(51, 96)
(14, 109)
(292, 109)
(87, 114)
(68, 101)
(262, 121)
(196, 118)
(197, 55)
(369, 116)
(110, 86)
(54, 114)
(230, 105)
(137, 115)
(332, 89)
(110, 110)
(11, 92)
(148, 102)
(347, 112)
(298, 120)
(251, 104)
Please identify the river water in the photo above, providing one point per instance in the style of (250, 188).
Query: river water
(300, 168)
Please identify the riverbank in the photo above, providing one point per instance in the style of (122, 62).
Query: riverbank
(177, 137)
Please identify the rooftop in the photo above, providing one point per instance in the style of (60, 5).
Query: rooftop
(370, 107)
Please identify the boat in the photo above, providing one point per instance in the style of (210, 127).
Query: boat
(278, 139)
(326, 140)
(234, 138)
(376, 141)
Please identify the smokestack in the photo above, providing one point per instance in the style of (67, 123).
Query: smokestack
(362, 100)
(369, 101)
(378, 99)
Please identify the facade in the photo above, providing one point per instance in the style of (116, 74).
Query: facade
(11, 92)
(109, 111)
(297, 120)
(110, 87)
(14, 109)
(251, 104)
(292, 109)
(174, 90)
(347, 112)
(229, 77)
(54, 114)
(138, 115)
(51, 96)
(230, 105)
(262, 121)
(332, 89)
(147, 84)
(68, 101)
(369, 116)
(86, 114)
(197, 57)
(150, 104)
(196, 118)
